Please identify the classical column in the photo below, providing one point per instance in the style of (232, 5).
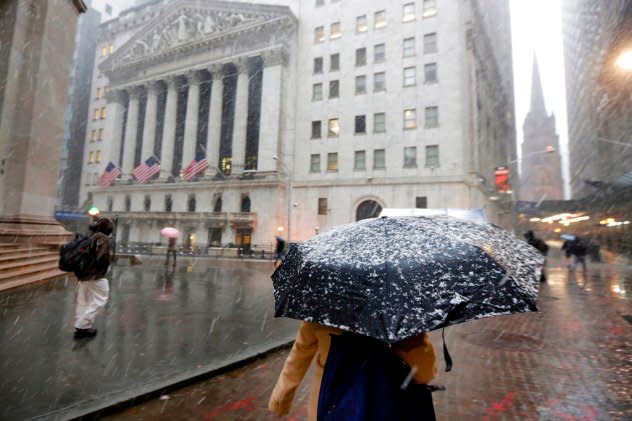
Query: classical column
(215, 117)
(270, 120)
(191, 121)
(131, 128)
(114, 124)
(241, 117)
(149, 130)
(169, 128)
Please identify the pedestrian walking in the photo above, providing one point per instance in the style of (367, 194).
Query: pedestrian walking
(278, 249)
(576, 251)
(171, 251)
(542, 247)
(93, 289)
(314, 340)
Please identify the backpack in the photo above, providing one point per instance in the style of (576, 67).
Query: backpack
(76, 256)
(364, 380)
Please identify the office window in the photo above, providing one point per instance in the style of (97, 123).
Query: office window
(316, 129)
(168, 203)
(318, 65)
(432, 156)
(98, 95)
(320, 3)
(100, 135)
(314, 163)
(319, 35)
(317, 92)
(410, 76)
(379, 159)
(421, 202)
(96, 114)
(102, 113)
(359, 160)
(430, 43)
(379, 19)
(360, 124)
(104, 51)
(332, 161)
(93, 136)
(430, 72)
(334, 31)
(360, 56)
(409, 47)
(432, 117)
(408, 13)
(322, 206)
(430, 8)
(108, 9)
(245, 204)
(410, 157)
(97, 156)
(147, 203)
(410, 118)
(379, 122)
(111, 48)
(334, 89)
(361, 24)
(90, 157)
(128, 203)
(334, 62)
(333, 129)
(379, 82)
(191, 203)
(217, 206)
(360, 85)
(110, 204)
(379, 53)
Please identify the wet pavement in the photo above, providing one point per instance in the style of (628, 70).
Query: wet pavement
(571, 361)
(159, 327)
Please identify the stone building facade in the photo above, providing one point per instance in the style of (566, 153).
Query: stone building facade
(311, 114)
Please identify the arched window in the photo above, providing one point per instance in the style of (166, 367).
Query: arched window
(128, 203)
(168, 203)
(147, 203)
(368, 209)
(245, 204)
(217, 207)
(191, 203)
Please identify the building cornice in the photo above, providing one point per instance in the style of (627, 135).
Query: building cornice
(80, 6)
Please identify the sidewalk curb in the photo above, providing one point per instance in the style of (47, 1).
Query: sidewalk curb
(97, 410)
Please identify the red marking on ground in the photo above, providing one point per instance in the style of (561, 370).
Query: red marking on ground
(299, 414)
(497, 409)
(616, 330)
(589, 412)
(245, 404)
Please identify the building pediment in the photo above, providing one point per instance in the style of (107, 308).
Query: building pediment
(190, 25)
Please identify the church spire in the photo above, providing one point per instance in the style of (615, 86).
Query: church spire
(537, 97)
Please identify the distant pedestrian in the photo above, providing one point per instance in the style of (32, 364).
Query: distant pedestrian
(278, 249)
(542, 247)
(93, 289)
(314, 340)
(171, 251)
(576, 251)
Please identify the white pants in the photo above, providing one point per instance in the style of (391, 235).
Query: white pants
(91, 298)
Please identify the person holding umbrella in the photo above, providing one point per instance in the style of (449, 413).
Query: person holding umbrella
(172, 234)
(371, 290)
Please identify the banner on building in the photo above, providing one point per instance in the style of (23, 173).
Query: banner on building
(502, 179)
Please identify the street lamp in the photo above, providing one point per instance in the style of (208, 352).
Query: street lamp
(289, 194)
(624, 61)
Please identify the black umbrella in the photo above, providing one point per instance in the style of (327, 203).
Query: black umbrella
(392, 278)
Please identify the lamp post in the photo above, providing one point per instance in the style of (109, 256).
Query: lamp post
(289, 194)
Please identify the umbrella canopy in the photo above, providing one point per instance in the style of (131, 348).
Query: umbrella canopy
(170, 232)
(392, 278)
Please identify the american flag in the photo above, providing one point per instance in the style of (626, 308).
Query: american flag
(111, 172)
(198, 165)
(146, 170)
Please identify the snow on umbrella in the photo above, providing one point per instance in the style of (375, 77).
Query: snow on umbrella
(392, 278)
(170, 232)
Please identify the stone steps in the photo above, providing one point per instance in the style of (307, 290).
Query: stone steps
(22, 265)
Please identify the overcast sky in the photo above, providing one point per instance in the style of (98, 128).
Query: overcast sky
(536, 26)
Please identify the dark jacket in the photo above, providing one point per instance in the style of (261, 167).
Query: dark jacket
(100, 249)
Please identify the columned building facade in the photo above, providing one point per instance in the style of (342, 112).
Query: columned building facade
(310, 115)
